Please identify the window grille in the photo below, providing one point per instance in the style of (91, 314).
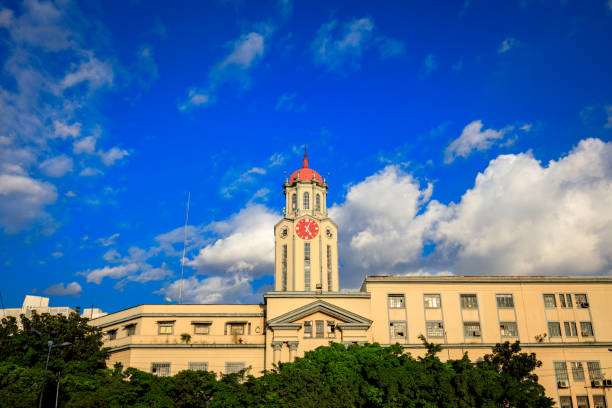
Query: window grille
(329, 268)
(284, 267)
(469, 301)
(570, 329)
(549, 301)
(508, 329)
(434, 329)
(581, 300)
(201, 328)
(396, 301)
(398, 330)
(306, 200)
(294, 201)
(198, 366)
(160, 369)
(318, 202)
(112, 334)
(561, 371)
(586, 329)
(554, 329)
(307, 266)
(471, 329)
(233, 367)
(562, 300)
(599, 401)
(307, 329)
(320, 328)
(582, 401)
(594, 370)
(432, 301)
(565, 402)
(236, 328)
(568, 296)
(505, 301)
(577, 370)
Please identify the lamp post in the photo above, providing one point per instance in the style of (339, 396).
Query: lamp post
(50, 346)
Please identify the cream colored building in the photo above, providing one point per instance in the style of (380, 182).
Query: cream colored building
(565, 320)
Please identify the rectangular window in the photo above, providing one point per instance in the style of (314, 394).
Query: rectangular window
(434, 329)
(562, 300)
(505, 301)
(561, 371)
(235, 328)
(198, 366)
(581, 300)
(582, 401)
(396, 301)
(577, 370)
(508, 329)
(432, 301)
(112, 334)
(284, 267)
(160, 369)
(319, 326)
(565, 402)
(471, 329)
(594, 370)
(130, 329)
(570, 329)
(201, 328)
(398, 330)
(306, 201)
(549, 301)
(233, 367)
(469, 301)
(554, 329)
(329, 268)
(165, 327)
(599, 401)
(586, 329)
(331, 329)
(308, 329)
(568, 296)
(307, 266)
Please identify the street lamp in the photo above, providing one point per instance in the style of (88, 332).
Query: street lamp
(50, 345)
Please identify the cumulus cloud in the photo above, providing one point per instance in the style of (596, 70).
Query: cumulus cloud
(474, 138)
(507, 45)
(63, 130)
(57, 166)
(112, 155)
(22, 201)
(113, 272)
(93, 71)
(109, 241)
(84, 145)
(72, 289)
(90, 171)
(340, 45)
(196, 97)
(215, 289)
(246, 50)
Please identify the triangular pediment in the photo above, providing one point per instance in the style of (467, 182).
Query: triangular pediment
(348, 318)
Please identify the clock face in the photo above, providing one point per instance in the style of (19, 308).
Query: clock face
(307, 228)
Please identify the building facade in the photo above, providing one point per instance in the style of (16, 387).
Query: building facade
(564, 320)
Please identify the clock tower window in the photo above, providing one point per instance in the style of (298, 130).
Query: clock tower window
(284, 268)
(294, 201)
(307, 266)
(329, 268)
(318, 202)
(306, 200)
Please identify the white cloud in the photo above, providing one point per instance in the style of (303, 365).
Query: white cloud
(507, 45)
(109, 157)
(57, 254)
(246, 243)
(57, 166)
(235, 182)
(246, 50)
(213, 289)
(114, 272)
(93, 71)
(70, 193)
(473, 138)
(84, 145)
(196, 97)
(109, 241)
(277, 159)
(72, 289)
(111, 255)
(89, 171)
(63, 130)
(22, 201)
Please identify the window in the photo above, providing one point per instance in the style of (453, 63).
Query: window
(554, 329)
(160, 369)
(508, 329)
(201, 328)
(318, 202)
(582, 401)
(471, 329)
(568, 296)
(307, 329)
(112, 334)
(434, 329)
(594, 370)
(586, 329)
(599, 401)
(165, 327)
(570, 329)
(432, 301)
(562, 300)
(577, 370)
(469, 301)
(236, 328)
(565, 402)
(549, 301)
(561, 371)
(130, 329)
(329, 268)
(284, 267)
(398, 330)
(581, 300)
(306, 200)
(306, 265)
(198, 366)
(319, 326)
(294, 201)
(233, 368)
(331, 329)
(396, 301)
(505, 301)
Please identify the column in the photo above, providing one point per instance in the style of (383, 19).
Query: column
(276, 345)
(292, 349)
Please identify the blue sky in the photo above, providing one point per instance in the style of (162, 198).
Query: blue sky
(459, 139)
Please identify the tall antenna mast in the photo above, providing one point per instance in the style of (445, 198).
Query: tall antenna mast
(184, 247)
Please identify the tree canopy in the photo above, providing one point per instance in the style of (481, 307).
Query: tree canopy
(330, 376)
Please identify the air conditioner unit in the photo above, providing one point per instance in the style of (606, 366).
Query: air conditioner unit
(608, 383)
(584, 305)
(586, 334)
(563, 384)
(475, 334)
(596, 383)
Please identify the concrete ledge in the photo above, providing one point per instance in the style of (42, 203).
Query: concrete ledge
(187, 346)
(139, 315)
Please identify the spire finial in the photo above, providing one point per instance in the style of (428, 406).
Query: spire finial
(305, 160)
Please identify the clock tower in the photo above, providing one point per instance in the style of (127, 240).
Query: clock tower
(306, 240)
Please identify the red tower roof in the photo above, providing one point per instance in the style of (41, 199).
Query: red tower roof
(305, 173)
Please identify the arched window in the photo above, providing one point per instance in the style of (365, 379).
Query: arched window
(294, 202)
(306, 200)
(318, 202)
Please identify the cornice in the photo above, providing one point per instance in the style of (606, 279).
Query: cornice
(523, 345)
(186, 346)
(314, 295)
(140, 315)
